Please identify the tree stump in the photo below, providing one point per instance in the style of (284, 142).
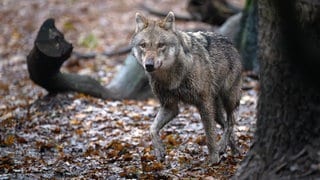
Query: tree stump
(50, 51)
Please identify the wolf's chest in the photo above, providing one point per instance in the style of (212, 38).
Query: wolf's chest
(184, 93)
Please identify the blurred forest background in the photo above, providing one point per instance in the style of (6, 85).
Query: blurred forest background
(73, 135)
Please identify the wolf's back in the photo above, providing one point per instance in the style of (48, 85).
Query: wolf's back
(212, 49)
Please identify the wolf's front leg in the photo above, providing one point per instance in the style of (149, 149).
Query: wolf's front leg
(207, 113)
(165, 115)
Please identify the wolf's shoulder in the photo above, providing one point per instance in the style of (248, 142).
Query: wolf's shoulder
(207, 38)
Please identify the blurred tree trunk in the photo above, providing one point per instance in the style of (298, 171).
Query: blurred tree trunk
(214, 12)
(287, 140)
(247, 39)
(131, 81)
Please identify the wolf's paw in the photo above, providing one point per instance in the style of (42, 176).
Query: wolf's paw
(160, 154)
(234, 148)
(222, 146)
(235, 151)
(214, 159)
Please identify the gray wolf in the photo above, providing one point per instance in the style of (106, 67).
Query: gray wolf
(198, 68)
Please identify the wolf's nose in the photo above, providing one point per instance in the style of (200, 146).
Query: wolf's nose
(149, 66)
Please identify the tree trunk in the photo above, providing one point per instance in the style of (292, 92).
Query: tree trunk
(287, 140)
(247, 39)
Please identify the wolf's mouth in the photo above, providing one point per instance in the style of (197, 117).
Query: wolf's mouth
(152, 67)
(149, 67)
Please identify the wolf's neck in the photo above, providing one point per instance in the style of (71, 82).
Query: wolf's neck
(171, 78)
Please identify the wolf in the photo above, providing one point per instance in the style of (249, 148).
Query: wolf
(197, 68)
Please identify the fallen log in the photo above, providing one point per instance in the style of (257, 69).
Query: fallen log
(214, 12)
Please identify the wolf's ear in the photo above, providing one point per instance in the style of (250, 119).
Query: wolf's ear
(141, 22)
(169, 22)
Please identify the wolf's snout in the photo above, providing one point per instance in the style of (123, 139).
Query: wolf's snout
(149, 65)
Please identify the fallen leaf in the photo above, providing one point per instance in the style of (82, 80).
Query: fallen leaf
(75, 122)
(172, 140)
(9, 140)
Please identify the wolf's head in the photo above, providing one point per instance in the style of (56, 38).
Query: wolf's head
(155, 44)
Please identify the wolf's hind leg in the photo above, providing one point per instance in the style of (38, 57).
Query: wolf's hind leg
(165, 115)
(232, 140)
(231, 101)
(220, 119)
(207, 113)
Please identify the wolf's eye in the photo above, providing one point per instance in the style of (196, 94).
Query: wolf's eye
(142, 45)
(161, 45)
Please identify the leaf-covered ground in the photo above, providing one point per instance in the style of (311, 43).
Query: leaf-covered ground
(76, 136)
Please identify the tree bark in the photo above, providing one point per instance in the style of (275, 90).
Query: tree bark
(287, 140)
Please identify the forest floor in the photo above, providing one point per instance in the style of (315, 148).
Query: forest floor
(75, 136)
